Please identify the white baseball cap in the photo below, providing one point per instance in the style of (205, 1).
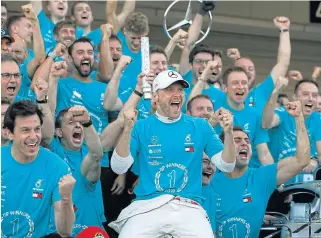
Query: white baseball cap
(166, 78)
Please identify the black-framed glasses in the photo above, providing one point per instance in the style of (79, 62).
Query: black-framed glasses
(8, 76)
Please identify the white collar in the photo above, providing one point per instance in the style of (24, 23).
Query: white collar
(167, 119)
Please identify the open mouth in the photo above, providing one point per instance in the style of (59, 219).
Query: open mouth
(309, 105)
(11, 89)
(61, 8)
(207, 174)
(31, 146)
(243, 153)
(77, 137)
(85, 65)
(84, 17)
(175, 105)
(115, 59)
(239, 94)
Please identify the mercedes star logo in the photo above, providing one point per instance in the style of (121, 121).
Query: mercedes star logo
(171, 74)
(186, 22)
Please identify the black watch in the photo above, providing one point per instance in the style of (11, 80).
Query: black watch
(43, 101)
(87, 124)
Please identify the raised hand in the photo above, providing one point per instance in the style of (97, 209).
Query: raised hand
(294, 108)
(233, 53)
(107, 30)
(124, 61)
(41, 89)
(282, 22)
(206, 6)
(225, 118)
(149, 77)
(78, 114)
(59, 69)
(60, 50)
(180, 38)
(316, 72)
(281, 83)
(212, 68)
(295, 75)
(66, 185)
(130, 117)
(29, 12)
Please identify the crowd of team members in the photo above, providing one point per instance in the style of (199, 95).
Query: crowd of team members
(78, 93)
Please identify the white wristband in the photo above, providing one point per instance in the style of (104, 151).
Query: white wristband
(120, 165)
(221, 164)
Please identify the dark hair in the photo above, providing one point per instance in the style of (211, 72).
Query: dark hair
(60, 117)
(23, 108)
(280, 100)
(62, 24)
(8, 58)
(5, 101)
(13, 20)
(3, 4)
(235, 128)
(296, 87)
(80, 40)
(228, 71)
(203, 49)
(157, 49)
(112, 37)
(190, 102)
(73, 7)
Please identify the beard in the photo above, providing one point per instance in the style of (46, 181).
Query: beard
(83, 73)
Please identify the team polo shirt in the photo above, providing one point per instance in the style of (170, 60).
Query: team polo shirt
(86, 196)
(28, 192)
(241, 202)
(170, 154)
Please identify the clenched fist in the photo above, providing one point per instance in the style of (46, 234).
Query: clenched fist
(60, 50)
(180, 38)
(282, 22)
(295, 75)
(225, 118)
(41, 89)
(233, 53)
(130, 117)
(66, 185)
(29, 12)
(78, 114)
(59, 69)
(212, 68)
(107, 30)
(124, 61)
(281, 83)
(149, 77)
(294, 108)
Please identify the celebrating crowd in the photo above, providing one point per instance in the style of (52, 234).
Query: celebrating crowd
(83, 147)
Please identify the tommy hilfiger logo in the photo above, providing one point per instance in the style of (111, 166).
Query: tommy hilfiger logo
(189, 149)
(37, 195)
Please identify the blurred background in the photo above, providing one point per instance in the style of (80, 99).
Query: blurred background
(246, 25)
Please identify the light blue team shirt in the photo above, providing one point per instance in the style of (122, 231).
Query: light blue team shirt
(25, 90)
(241, 202)
(209, 204)
(47, 30)
(86, 196)
(72, 92)
(28, 192)
(283, 138)
(260, 95)
(249, 119)
(170, 156)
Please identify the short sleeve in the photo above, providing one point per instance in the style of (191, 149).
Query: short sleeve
(62, 169)
(213, 142)
(282, 113)
(267, 175)
(261, 135)
(265, 89)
